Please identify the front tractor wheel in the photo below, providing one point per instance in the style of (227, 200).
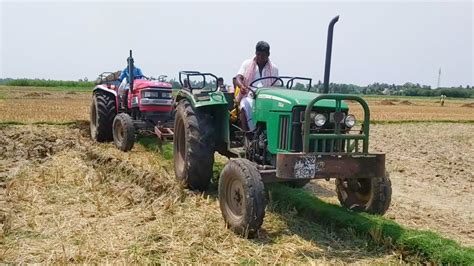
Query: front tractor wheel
(124, 132)
(193, 151)
(242, 197)
(372, 195)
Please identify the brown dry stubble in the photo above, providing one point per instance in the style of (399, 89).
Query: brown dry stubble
(72, 201)
(418, 110)
(30, 105)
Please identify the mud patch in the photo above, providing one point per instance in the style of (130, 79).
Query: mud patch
(23, 144)
(406, 103)
(471, 105)
(387, 102)
(36, 94)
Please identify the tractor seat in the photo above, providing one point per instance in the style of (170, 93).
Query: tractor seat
(230, 98)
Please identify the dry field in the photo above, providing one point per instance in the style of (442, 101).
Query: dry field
(65, 199)
(416, 109)
(31, 104)
(431, 166)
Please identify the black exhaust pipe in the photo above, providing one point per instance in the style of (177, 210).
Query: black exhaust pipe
(130, 80)
(130, 70)
(327, 68)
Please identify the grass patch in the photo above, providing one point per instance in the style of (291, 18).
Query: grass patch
(424, 244)
(150, 143)
(48, 83)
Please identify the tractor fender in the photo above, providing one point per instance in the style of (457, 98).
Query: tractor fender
(104, 89)
(217, 106)
(214, 99)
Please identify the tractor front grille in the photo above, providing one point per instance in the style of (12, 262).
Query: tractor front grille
(320, 145)
(284, 135)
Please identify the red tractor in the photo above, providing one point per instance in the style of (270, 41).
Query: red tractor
(116, 115)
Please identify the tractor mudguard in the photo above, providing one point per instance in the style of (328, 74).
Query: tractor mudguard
(104, 89)
(216, 104)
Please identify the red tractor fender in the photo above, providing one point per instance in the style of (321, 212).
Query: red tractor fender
(105, 89)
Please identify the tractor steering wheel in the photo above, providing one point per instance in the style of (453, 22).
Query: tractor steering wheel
(269, 77)
(252, 85)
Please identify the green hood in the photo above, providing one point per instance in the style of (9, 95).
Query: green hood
(285, 99)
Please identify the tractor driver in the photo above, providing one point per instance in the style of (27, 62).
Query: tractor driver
(252, 69)
(125, 78)
(125, 82)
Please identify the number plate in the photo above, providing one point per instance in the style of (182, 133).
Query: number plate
(306, 167)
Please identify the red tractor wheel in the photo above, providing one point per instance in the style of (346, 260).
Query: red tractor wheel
(124, 132)
(102, 115)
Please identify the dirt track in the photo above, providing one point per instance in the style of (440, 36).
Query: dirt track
(64, 199)
(432, 171)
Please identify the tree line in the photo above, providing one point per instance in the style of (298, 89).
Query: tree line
(407, 89)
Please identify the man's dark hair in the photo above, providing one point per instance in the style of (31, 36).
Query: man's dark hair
(262, 46)
(220, 79)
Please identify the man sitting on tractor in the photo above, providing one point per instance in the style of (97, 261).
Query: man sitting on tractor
(125, 80)
(125, 76)
(251, 70)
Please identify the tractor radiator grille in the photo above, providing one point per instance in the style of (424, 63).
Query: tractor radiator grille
(284, 132)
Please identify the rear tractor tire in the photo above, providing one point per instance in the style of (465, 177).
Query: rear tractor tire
(193, 150)
(102, 115)
(242, 197)
(371, 195)
(124, 132)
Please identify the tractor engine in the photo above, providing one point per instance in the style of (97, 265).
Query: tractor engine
(256, 146)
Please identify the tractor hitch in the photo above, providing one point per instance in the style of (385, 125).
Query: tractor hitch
(164, 133)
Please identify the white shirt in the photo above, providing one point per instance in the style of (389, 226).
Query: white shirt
(248, 63)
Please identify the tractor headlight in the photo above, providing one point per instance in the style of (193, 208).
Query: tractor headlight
(150, 94)
(350, 120)
(319, 119)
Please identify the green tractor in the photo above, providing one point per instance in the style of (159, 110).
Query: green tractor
(299, 136)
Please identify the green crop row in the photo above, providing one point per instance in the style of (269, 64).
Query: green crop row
(48, 83)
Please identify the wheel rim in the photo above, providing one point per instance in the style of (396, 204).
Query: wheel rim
(234, 197)
(180, 144)
(356, 194)
(118, 129)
